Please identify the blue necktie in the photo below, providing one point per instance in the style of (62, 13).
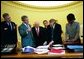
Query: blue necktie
(10, 26)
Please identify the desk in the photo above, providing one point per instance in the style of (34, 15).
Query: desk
(33, 55)
(66, 55)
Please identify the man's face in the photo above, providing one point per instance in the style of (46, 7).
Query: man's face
(52, 23)
(7, 18)
(36, 24)
(26, 20)
(70, 21)
(45, 23)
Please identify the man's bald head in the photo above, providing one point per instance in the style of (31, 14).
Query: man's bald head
(36, 23)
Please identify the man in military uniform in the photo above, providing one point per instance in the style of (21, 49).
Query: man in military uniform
(8, 31)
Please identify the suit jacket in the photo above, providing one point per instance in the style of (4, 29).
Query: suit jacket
(39, 40)
(57, 31)
(8, 36)
(26, 38)
(46, 35)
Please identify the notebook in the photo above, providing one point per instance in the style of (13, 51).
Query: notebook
(56, 51)
(75, 48)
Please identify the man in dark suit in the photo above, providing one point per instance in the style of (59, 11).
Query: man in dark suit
(54, 32)
(8, 31)
(38, 34)
(46, 24)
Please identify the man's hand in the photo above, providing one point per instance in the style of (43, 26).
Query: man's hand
(51, 43)
(45, 43)
(28, 30)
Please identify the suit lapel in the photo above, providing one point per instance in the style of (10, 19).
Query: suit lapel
(24, 26)
(6, 26)
(39, 30)
(35, 31)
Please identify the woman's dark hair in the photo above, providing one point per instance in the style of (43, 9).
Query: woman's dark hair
(70, 17)
(44, 21)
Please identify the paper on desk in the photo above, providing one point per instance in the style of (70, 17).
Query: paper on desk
(41, 49)
(57, 45)
(58, 49)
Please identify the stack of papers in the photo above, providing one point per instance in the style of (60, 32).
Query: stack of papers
(58, 45)
(57, 49)
(41, 49)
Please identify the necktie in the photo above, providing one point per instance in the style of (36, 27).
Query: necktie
(52, 31)
(37, 30)
(10, 26)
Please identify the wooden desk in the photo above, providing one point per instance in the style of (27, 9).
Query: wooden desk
(33, 55)
(66, 55)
